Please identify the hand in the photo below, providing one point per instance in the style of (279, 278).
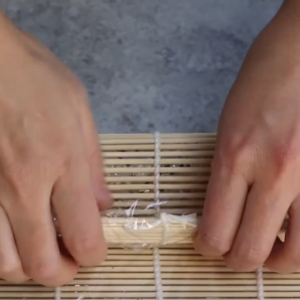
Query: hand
(49, 161)
(255, 180)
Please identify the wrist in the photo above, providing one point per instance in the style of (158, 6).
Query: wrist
(291, 8)
(9, 36)
(4, 24)
(280, 39)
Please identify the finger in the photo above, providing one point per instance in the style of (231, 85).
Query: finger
(37, 243)
(10, 263)
(223, 209)
(285, 256)
(78, 216)
(264, 214)
(101, 190)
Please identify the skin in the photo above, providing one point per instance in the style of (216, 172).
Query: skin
(256, 168)
(50, 161)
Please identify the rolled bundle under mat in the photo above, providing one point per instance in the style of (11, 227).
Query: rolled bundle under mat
(158, 183)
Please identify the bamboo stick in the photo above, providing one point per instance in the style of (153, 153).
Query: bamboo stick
(88, 294)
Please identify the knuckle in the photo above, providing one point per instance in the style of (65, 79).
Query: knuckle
(235, 153)
(8, 269)
(23, 178)
(247, 260)
(285, 154)
(214, 245)
(16, 278)
(43, 271)
(21, 182)
(84, 244)
(254, 255)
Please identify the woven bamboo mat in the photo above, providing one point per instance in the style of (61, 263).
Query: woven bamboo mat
(184, 275)
(150, 176)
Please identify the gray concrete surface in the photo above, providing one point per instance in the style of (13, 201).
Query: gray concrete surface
(149, 65)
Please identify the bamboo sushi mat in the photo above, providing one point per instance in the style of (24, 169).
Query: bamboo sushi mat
(151, 175)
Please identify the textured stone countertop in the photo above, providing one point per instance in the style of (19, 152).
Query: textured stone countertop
(149, 65)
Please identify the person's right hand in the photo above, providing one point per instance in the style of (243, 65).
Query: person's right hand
(49, 162)
(254, 183)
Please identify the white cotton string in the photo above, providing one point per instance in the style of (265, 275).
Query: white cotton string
(260, 284)
(157, 170)
(159, 290)
(158, 286)
(57, 293)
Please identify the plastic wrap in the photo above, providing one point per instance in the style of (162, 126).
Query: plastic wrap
(158, 184)
(148, 210)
